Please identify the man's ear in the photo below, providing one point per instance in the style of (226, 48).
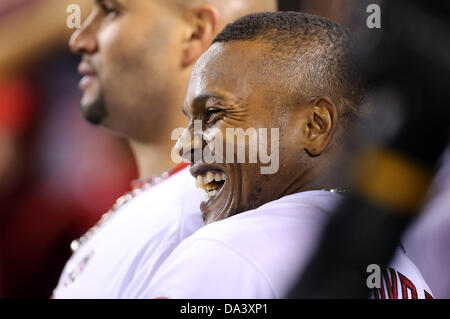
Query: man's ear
(320, 125)
(204, 21)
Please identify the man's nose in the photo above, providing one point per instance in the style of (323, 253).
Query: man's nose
(188, 145)
(84, 40)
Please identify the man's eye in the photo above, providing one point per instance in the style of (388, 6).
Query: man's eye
(108, 8)
(213, 114)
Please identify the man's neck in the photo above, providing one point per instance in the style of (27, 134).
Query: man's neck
(152, 158)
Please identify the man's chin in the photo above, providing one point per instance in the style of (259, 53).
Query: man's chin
(94, 112)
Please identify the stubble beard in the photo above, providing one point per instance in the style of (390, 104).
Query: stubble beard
(96, 112)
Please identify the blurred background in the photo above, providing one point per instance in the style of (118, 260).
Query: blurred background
(58, 174)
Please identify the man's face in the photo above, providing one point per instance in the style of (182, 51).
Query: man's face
(229, 90)
(129, 63)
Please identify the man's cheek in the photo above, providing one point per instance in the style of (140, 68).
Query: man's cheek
(119, 50)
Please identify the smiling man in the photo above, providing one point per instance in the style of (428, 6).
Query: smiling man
(289, 71)
(137, 56)
(305, 88)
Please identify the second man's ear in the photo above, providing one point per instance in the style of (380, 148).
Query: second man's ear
(204, 21)
(321, 125)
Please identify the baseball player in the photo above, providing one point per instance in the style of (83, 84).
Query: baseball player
(136, 60)
(290, 71)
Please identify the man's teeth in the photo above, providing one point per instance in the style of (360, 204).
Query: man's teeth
(209, 177)
(205, 181)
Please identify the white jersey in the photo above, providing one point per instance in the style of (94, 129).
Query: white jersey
(141, 233)
(258, 254)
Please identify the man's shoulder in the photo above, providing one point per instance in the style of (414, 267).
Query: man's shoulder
(264, 248)
(283, 230)
(284, 217)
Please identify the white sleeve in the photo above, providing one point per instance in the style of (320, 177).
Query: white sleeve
(208, 269)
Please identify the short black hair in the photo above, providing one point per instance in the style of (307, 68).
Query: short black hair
(315, 53)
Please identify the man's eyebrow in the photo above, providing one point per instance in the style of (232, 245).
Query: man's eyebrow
(102, 1)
